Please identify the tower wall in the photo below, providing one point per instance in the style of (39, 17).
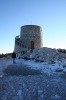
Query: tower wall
(28, 34)
(31, 33)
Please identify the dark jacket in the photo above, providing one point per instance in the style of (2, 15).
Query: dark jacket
(13, 55)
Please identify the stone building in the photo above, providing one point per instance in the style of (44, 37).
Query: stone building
(30, 38)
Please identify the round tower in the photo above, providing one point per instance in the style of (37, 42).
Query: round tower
(30, 38)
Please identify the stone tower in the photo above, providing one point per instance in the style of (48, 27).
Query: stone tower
(30, 38)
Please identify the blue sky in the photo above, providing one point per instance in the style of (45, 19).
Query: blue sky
(49, 14)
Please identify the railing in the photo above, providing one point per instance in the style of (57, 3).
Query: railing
(17, 37)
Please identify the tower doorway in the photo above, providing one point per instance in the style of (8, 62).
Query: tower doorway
(32, 44)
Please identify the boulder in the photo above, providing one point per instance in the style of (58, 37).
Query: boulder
(59, 70)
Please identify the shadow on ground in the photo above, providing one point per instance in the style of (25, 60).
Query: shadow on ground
(20, 70)
(63, 75)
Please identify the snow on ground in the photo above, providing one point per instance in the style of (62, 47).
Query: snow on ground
(50, 85)
(4, 62)
(43, 66)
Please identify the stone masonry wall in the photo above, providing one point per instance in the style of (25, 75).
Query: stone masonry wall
(31, 33)
(17, 48)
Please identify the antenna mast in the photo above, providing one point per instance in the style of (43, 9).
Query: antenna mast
(31, 22)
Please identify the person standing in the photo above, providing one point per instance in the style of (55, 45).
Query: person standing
(14, 57)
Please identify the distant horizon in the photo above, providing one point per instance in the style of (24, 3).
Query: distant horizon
(29, 49)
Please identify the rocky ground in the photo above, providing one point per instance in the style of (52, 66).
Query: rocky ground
(39, 78)
(33, 87)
